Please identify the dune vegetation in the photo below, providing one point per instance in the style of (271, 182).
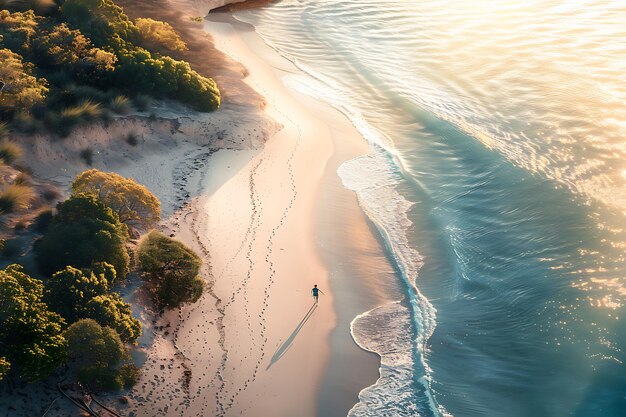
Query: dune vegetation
(68, 62)
(75, 314)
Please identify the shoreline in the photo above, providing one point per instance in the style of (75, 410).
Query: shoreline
(349, 369)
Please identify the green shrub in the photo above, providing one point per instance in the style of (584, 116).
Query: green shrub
(120, 105)
(72, 116)
(128, 375)
(171, 268)
(30, 334)
(110, 310)
(10, 152)
(90, 344)
(99, 379)
(68, 291)
(27, 90)
(85, 111)
(98, 352)
(15, 197)
(133, 203)
(100, 20)
(83, 232)
(42, 221)
(157, 35)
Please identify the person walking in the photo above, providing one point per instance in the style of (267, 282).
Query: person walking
(316, 292)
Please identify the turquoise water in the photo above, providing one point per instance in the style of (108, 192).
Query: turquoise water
(497, 181)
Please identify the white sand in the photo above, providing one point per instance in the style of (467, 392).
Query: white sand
(245, 340)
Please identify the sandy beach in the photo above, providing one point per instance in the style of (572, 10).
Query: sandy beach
(255, 343)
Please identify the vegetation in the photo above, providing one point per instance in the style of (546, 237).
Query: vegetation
(84, 232)
(121, 105)
(5, 367)
(42, 221)
(15, 197)
(90, 344)
(110, 310)
(86, 53)
(156, 35)
(31, 339)
(68, 291)
(172, 270)
(133, 203)
(10, 152)
(83, 252)
(19, 87)
(98, 352)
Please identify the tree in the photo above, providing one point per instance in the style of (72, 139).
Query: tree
(71, 49)
(133, 203)
(30, 335)
(68, 291)
(90, 344)
(19, 89)
(110, 310)
(18, 29)
(159, 35)
(98, 352)
(101, 20)
(171, 268)
(84, 232)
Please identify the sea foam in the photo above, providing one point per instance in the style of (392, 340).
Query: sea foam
(398, 331)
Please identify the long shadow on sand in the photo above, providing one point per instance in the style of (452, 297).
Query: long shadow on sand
(284, 347)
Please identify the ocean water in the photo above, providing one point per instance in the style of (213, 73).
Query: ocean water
(497, 183)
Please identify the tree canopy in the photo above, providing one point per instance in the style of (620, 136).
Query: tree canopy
(19, 88)
(62, 46)
(171, 268)
(101, 20)
(84, 232)
(31, 336)
(99, 352)
(68, 291)
(90, 344)
(157, 35)
(110, 310)
(133, 203)
(49, 49)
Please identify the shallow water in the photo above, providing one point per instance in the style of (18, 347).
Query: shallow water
(497, 183)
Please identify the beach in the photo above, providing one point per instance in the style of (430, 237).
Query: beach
(262, 214)
(255, 343)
